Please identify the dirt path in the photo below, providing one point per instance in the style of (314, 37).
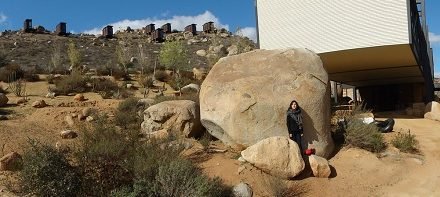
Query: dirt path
(423, 180)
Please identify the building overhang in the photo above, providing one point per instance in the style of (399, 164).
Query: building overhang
(393, 64)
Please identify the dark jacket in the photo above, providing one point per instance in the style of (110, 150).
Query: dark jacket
(294, 121)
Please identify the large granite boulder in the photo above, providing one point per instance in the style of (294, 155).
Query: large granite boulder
(245, 97)
(278, 156)
(432, 111)
(181, 117)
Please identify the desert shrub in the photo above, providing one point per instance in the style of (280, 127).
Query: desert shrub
(126, 115)
(18, 87)
(280, 188)
(50, 79)
(105, 87)
(146, 81)
(31, 77)
(74, 83)
(12, 69)
(405, 142)
(161, 75)
(179, 82)
(47, 172)
(365, 136)
(3, 60)
(105, 158)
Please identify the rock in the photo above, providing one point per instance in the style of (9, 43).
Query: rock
(87, 111)
(180, 117)
(241, 106)
(79, 97)
(201, 53)
(3, 100)
(199, 73)
(68, 134)
(39, 104)
(89, 118)
(224, 35)
(242, 190)
(129, 85)
(21, 101)
(10, 162)
(320, 166)
(145, 102)
(187, 35)
(232, 50)
(190, 88)
(69, 120)
(278, 156)
(240, 159)
(161, 134)
(432, 111)
(220, 50)
(50, 95)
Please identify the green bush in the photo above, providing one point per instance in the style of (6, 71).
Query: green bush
(126, 115)
(405, 142)
(146, 81)
(365, 136)
(161, 75)
(105, 87)
(105, 158)
(47, 172)
(74, 83)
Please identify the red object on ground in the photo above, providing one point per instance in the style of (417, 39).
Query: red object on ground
(309, 151)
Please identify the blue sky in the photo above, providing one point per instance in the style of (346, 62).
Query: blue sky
(90, 16)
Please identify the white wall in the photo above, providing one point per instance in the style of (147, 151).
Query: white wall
(331, 25)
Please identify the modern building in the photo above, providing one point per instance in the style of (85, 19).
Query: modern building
(380, 47)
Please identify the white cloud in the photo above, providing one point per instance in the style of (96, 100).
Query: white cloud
(434, 38)
(177, 22)
(3, 18)
(250, 32)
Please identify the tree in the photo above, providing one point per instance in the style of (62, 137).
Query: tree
(74, 57)
(173, 55)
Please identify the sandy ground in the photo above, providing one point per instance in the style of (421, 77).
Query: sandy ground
(355, 172)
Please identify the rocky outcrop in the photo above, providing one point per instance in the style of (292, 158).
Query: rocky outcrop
(3, 100)
(278, 156)
(320, 166)
(244, 98)
(68, 134)
(432, 111)
(79, 97)
(181, 117)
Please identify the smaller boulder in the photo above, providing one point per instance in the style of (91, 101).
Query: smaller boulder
(432, 111)
(201, 53)
(320, 166)
(21, 101)
(39, 104)
(79, 97)
(50, 95)
(3, 100)
(11, 161)
(242, 190)
(89, 118)
(191, 88)
(232, 50)
(68, 134)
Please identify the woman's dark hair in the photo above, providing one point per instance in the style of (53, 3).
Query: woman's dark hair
(294, 101)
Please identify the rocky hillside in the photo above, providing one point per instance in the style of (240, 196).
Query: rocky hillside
(36, 50)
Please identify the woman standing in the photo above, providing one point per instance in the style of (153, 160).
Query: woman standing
(295, 123)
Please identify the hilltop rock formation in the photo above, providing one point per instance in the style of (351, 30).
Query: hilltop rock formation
(244, 98)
